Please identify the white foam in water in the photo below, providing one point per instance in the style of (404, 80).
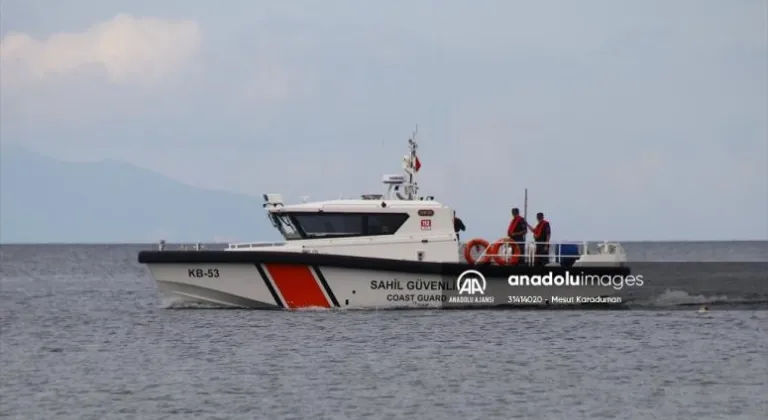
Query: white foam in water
(178, 303)
(681, 297)
(311, 309)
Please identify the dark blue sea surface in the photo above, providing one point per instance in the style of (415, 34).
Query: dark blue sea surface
(85, 336)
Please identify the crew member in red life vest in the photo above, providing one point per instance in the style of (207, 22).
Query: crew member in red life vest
(516, 231)
(541, 235)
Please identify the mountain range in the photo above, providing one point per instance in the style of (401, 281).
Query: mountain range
(44, 200)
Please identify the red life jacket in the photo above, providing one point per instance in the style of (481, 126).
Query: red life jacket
(539, 231)
(513, 225)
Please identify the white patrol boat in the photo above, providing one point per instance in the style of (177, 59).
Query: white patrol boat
(392, 250)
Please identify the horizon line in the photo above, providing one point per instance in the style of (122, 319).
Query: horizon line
(168, 242)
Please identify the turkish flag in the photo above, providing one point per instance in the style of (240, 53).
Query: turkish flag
(417, 164)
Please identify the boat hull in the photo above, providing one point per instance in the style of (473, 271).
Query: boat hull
(293, 281)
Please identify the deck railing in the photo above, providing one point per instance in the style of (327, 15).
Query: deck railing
(163, 246)
(251, 245)
(554, 254)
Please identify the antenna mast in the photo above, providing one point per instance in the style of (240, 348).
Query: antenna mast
(412, 186)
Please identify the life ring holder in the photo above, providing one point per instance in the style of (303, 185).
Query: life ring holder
(485, 249)
(504, 259)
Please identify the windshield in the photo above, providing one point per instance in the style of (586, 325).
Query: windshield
(283, 223)
(320, 225)
(314, 225)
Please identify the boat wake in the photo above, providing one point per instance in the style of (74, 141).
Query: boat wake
(178, 303)
(671, 299)
(667, 300)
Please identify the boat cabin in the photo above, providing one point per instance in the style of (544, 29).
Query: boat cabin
(375, 225)
(365, 217)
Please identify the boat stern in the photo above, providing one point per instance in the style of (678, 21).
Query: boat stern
(607, 254)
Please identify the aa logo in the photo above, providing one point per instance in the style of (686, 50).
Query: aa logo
(471, 282)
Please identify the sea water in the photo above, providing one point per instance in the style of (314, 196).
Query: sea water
(84, 336)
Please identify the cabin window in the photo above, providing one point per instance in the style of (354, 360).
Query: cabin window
(385, 223)
(320, 225)
(317, 225)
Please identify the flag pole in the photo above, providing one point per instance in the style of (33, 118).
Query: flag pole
(525, 217)
(525, 206)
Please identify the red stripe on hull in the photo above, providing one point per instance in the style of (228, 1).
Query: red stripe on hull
(297, 285)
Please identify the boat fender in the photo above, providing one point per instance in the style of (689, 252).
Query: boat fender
(476, 243)
(500, 259)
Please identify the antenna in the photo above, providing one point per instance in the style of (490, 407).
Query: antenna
(413, 189)
(408, 181)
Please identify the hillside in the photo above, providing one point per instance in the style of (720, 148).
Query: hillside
(46, 200)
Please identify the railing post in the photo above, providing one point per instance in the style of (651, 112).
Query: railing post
(530, 252)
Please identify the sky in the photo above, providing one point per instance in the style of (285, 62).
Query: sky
(629, 120)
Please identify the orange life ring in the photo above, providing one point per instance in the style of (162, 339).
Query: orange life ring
(477, 242)
(503, 259)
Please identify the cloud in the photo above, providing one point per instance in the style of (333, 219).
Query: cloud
(127, 49)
